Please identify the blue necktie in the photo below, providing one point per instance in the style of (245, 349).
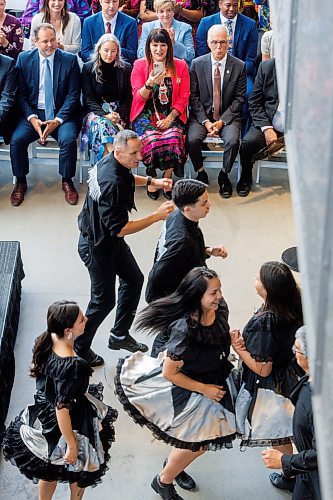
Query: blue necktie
(48, 90)
(230, 36)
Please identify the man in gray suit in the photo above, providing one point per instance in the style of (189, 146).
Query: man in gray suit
(218, 86)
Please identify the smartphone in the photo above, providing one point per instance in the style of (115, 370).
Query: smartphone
(158, 67)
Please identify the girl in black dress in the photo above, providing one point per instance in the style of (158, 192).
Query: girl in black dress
(66, 435)
(263, 408)
(183, 396)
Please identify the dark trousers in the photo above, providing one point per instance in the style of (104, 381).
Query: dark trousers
(197, 133)
(104, 263)
(252, 143)
(24, 134)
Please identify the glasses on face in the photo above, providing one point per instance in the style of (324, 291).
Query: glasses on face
(296, 351)
(218, 42)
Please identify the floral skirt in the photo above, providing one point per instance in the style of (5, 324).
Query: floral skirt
(161, 149)
(96, 132)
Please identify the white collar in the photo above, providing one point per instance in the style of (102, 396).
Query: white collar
(113, 20)
(50, 58)
(222, 62)
(224, 20)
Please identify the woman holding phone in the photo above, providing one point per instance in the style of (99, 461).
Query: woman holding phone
(161, 89)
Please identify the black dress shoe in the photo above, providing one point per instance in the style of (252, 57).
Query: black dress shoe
(167, 194)
(166, 491)
(243, 187)
(93, 359)
(202, 177)
(129, 344)
(225, 190)
(183, 479)
(153, 195)
(281, 482)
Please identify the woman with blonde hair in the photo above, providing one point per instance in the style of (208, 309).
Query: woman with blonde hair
(106, 93)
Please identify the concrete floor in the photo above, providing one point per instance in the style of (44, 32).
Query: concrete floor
(254, 229)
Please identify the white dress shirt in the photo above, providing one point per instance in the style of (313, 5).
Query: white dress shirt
(41, 91)
(112, 22)
(224, 21)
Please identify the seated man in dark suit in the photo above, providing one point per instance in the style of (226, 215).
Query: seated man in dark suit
(218, 84)
(110, 20)
(49, 86)
(267, 122)
(8, 88)
(242, 35)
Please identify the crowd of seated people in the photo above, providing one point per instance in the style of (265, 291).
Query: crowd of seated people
(188, 76)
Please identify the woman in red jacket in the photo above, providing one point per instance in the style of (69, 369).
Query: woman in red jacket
(158, 114)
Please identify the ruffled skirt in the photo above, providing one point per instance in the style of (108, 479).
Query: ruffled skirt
(179, 417)
(26, 446)
(264, 412)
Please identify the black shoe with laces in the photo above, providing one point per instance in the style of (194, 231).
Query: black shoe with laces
(166, 491)
(93, 359)
(183, 479)
(281, 482)
(129, 344)
(203, 177)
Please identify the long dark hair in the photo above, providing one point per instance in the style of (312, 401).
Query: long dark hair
(283, 294)
(186, 300)
(60, 315)
(47, 14)
(160, 35)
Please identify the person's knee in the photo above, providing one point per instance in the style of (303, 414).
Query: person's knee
(67, 141)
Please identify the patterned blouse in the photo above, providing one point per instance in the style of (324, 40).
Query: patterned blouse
(13, 30)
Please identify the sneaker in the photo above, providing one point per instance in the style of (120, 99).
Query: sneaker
(183, 479)
(203, 177)
(93, 359)
(281, 482)
(166, 491)
(129, 344)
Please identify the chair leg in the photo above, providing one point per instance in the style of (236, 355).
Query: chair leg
(258, 172)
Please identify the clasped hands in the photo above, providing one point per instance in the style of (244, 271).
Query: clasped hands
(50, 126)
(237, 341)
(114, 117)
(213, 128)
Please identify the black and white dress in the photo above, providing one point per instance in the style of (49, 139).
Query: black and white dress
(180, 417)
(264, 411)
(33, 441)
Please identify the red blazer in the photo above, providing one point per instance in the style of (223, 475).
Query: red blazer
(180, 88)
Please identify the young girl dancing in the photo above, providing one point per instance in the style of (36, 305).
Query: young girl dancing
(66, 435)
(183, 396)
(263, 408)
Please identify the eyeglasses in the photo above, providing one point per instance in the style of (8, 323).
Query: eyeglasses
(218, 42)
(296, 351)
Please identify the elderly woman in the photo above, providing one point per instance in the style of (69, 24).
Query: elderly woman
(161, 89)
(66, 24)
(180, 33)
(11, 35)
(106, 96)
(302, 465)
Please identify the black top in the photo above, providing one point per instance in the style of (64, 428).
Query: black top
(109, 199)
(63, 381)
(267, 338)
(180, 248)
(115, 87)
(304, 463)
(204, 349)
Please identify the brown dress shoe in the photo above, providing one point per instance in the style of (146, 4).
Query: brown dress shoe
(17, 196)
(71, 195)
